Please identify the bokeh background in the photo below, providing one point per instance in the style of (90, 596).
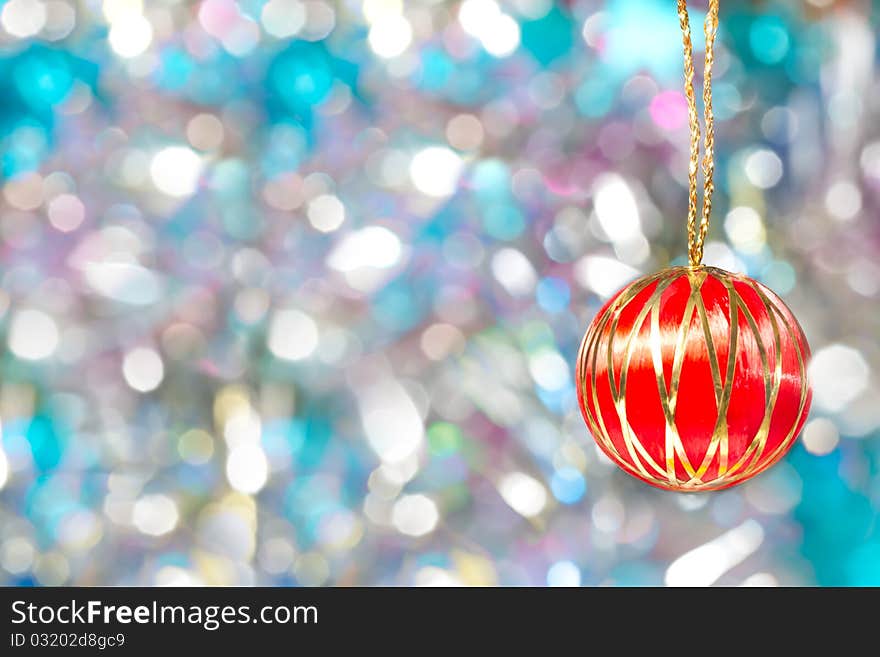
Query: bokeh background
(290, 291)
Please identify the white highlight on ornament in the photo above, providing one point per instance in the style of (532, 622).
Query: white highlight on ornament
(143, 369)
(524, 494)
(514, 271)
(247, 468)
(763, 168)
(130, 35)
(820, 436)
(415, 515)
(435, 171)
(33, 335)
(703, 566)
(155, 515)
(603, 275)
(838, 374)
(616, 208)
(390, 36)
(391, 420)
(175, 171)
(293, 335)
(564, 573)
(326, 213)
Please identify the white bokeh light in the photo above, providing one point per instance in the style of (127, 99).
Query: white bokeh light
(33, 335)
(838, 374)
(415, 515)
(390, 36)
(247, 468)
(502, 37)
(23, 18)
(326, 213)
(143, 369)
(175, 170)
(293, 335)
(525, 495)
(435, 171)
(155, 515)
(130, 35)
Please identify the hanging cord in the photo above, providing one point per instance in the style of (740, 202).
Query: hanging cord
(697, 234)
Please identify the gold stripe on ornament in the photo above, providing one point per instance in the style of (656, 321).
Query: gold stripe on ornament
(640, 462)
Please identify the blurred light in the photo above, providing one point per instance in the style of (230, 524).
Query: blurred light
(175, 170)
(66, 212)
(549, 370)
(415, 515)
(464, 132)
(838, 374)
(24, 192)
(4, 467)
(247, 468)
(843, 200)
(820, 436)
(390, 35)
(616, 208)
(763, 168)
(514, 271)
(440, 340)
(391, 421)
(123, 282)
(769, 39)
(703, 566)
(293, 335)
(501, 38)
(143, 369)
(205, 132)
(283, 18)
(373, 246)
(23, 18)
(564, 573)
(196, 446)
(130, 35)
(603, 275)
(476, 15)
(669, 110)
(432, 576)
(155, 515)
(762, 580)
(435, 171)
(568, 485)
(483, 19)
(745, 229)
(16, 554)
(33, 335)
(326, 213)
(524, 494)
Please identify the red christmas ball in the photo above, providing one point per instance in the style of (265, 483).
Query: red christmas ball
(694, 379)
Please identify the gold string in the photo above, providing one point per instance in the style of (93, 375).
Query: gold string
(697, 234)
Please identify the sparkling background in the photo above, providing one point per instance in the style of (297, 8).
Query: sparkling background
(290, 291)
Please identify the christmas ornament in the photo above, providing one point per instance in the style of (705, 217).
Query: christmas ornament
(694, 378)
